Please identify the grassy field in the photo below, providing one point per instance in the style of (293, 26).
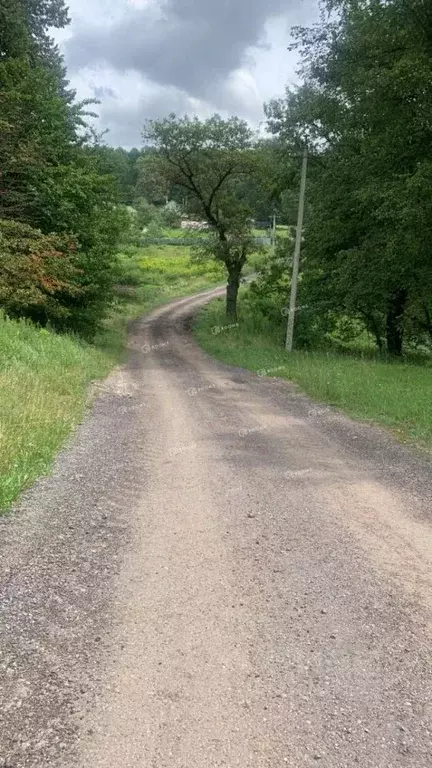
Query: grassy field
(44, 377)
(395, 394)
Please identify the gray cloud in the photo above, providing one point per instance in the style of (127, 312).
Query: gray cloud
(125, 121)
(104, 92)
(192, 45)
(145, 58)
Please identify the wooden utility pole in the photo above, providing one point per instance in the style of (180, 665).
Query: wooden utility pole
(296, 264)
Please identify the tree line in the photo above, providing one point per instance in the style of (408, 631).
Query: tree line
(365, 110)
(59, 218)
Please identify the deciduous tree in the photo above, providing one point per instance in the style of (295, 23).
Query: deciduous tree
(209, 159)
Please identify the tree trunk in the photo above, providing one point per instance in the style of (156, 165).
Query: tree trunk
(428, 324)
(232, 292)
(375, 329)
(394, 325)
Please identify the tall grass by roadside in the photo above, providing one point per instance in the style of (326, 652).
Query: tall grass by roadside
(43, 381)
(396, 394)
(44, 377)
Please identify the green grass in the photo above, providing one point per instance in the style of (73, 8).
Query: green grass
(395, 394)
(43, 391)
(45, 377)
(183, 233)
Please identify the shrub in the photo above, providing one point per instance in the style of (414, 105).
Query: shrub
(36, 273)
(51, 281)
(269, 297)
(171, 215)
(147, 213)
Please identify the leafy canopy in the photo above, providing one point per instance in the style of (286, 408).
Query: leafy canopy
(206, 158)
(366, 110)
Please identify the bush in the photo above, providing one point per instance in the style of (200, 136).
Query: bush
(37, 272)
(97, 271)
(51, 281)
(171, 215)
(316, 325)
(147, 213)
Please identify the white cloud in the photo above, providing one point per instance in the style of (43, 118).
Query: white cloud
(144, 58)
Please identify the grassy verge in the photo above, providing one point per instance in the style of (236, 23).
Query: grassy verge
(43, 382)
(395, 394)
(44, 377)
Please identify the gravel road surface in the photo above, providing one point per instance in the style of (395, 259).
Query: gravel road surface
(219, 572)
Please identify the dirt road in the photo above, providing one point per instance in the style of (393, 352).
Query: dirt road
(218, 573)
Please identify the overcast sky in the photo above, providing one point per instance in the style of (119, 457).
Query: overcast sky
(146, 58)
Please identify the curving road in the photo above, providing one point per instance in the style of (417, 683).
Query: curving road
(219, 572)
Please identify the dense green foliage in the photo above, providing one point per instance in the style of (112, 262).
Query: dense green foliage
(51, 181)
(365, 109)
(123, 166)
(36, 272)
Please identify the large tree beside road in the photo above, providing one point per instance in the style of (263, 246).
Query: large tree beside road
(209, 160)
